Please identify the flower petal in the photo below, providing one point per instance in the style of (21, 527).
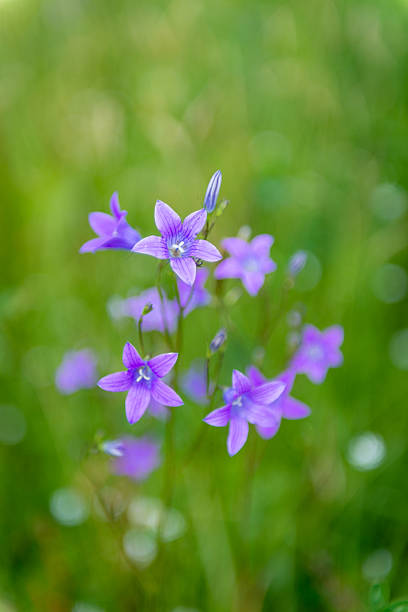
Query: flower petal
(158, 410)
(194, 223)
(218, 417)
(255, 376)
(237, 435)
(334, 336)
(164, 394)
(93, 245)
(253, 281)
(240, 382)
(102, 223)
(236, 246)
(271, 430)
(185, 269)
(152, 245)
(115, 207)
(162, 364)
(137, 401)
(294, 409)
(130, 357)
(268, 392)
(262, 415)
(205, 250)
(261, 244)
(229, 268)
(119, 381)
(167, 221)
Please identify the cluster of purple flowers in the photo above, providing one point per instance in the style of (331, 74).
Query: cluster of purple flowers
(251, 398)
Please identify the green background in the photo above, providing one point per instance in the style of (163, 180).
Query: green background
(303, 106)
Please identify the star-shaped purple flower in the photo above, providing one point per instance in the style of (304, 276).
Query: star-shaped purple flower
(195, 296)
(142, 381)
(285, 406)
(318, 352)
(161, 316)
(249, 261)
(77, 371)
(138, 458)
(178, 242)
(113, 231)
(245, 404)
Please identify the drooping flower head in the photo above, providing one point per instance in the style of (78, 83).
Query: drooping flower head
(178, 242)
(139, 457)
(195, 296)
(142, 381)
(213, 189)
(318, 351)
(285, 406)
(113, 231)
(163, 315)
(245, 404)
(249, 261)
(77, 371)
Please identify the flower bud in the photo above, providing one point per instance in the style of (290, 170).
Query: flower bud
(297, 262)
(213, 189)
(218, 340)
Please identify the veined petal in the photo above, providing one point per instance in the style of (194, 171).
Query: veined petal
(218, 417)
(294, 409)
(229, 268)
(262, 415)
(102, 223)
(261, 244)
(267, 393)
(152, 245)
(194, 223)
(237, 435)
(93, 245)
(240, 382)
(167, 221)
(119, 381)
(255, 376)
(130, 357)
(164, 394)
(205, 250)
(236, 246)
(137, 400)
(185, 269)
(115, 207)
(162, 364)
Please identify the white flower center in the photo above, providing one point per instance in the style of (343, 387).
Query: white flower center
(315, 352)
(143, 374)
(237, 401)
(177, 249)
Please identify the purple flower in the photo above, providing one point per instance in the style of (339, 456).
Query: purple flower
(318, 352)
(142, 381)
(178, 242)
(194, 383)
(249, 261)
(140, 456)
(296, 263)
(192, 297)
(113, 231)
(159, 317)
(285, 406)
(213, 189)
(77, 371)
(245, 404)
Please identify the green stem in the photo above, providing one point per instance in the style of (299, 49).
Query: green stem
(141, 340)
(163, 310)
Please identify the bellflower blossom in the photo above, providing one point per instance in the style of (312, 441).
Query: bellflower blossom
(285, 406)
(142, 381)
(192, 297)
(245, 404)
(318, 352)
(113, 231)
(140, 456)
(249, 261)
(178, 242)
(213, 189)
(77, 371)
(159, 318)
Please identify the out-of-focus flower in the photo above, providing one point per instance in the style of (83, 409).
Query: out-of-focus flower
(318, 352)
(194, 383)
(285, 406)
(113, 231)
(178, 242)
(142, 380)
(249, 261)
(114, 448)
(140, 456)
(77, 371)
(245, 404)
(195, 296)
(160, 317)
(296, 263)
(218, 340)
(213, 189)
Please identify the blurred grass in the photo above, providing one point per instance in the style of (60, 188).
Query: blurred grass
(303, 106)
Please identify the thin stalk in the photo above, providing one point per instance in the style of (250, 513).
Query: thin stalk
(163, 310)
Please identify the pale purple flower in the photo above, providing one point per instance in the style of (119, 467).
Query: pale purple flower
(113, 231)
(318, 351)
(195, 296)
(249, 261)
(140, 456)
(245, 404)
(77, 371)
(143, 382)
(285, 406)
(297, 262)
(194, 383)
(213, 189)
(178, 242)
(160, 317)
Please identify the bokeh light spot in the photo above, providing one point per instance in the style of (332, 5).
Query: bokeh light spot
(399, 349)
(68, 507)
(366, 451)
